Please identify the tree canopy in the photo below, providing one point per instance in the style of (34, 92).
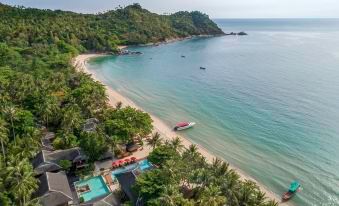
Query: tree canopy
(183, 177)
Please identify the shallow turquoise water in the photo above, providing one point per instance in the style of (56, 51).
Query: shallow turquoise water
(97, 187)
(268, 102)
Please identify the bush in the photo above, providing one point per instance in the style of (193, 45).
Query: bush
(81, 199)
(65, 164)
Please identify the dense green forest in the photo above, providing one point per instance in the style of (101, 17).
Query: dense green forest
(24, 27)
(40, 90)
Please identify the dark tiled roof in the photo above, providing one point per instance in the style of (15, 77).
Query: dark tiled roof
(110, 200)
(38, 159)
(132, 147)
(47, 140)
(90, 125)
(54, 189)
(73, 154)
(48, 161)
(127, 180)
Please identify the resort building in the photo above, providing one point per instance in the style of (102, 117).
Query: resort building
(54, 189)
(47, 140)
(90, 125)
(48, 161)
(126, 181)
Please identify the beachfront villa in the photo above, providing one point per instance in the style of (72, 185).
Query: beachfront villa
(49, 161)
(121, 175)
(54, 189)
(58, 188)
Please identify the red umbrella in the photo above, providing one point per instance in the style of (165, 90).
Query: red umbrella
(120, 162)
(133, 158)
(127, 160)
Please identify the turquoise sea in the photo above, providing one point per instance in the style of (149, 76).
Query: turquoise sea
(268, 102)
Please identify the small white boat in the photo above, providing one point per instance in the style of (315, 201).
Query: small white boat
(183, 125)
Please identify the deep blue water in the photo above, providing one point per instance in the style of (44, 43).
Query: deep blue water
(267, 102)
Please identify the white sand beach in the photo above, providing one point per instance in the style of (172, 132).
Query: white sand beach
(79, 63)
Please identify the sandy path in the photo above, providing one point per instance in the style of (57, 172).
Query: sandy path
(80, 64)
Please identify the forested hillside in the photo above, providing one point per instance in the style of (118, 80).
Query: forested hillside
(24, 27)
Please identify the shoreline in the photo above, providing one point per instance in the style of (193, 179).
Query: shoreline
(80, 61)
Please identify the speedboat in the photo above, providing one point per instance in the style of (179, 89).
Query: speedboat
(203, 68)
(183, 125)
(294, 188)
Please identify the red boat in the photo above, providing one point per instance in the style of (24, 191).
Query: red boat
(183, 125)
(294, 188)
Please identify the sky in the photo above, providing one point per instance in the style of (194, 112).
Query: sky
(214, 8)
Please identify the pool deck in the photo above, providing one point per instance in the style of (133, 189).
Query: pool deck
(140, 154)
(110, 183)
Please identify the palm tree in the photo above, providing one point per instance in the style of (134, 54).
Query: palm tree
(260, 198)
(49, 107)
(219, 167)
(246, 194)
(177, 144)
(212, 196)
(169, 195)
(3, 136)
(10, 113)
(71, 118)
(118, 105)
(230, 186)
(25, 147)
(271, 203)
(20, 179)
(155, 140)
(191, 153)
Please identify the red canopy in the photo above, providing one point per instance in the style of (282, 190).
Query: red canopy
(133, 158)
(116, 163)
(182, 124)
(127, 160)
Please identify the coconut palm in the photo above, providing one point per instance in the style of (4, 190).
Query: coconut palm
(49, 107)
(155, 140)
(25, 147)
(271, 203)
(20, 180)
(177, 144)
(260, 198)
(3, 136)
(229, 186)
(212, 196)
(172, 197)
(10, 112)
(71, 118)
(191, 153)
(118, 105)
(246, 194)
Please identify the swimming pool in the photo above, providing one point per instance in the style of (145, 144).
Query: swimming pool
(145, 164)
(142, 165)
(97, 188)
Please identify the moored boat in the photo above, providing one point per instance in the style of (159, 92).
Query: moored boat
(183, 125)
(294, 188)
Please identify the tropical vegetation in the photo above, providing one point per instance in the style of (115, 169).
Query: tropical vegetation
(184, 177)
